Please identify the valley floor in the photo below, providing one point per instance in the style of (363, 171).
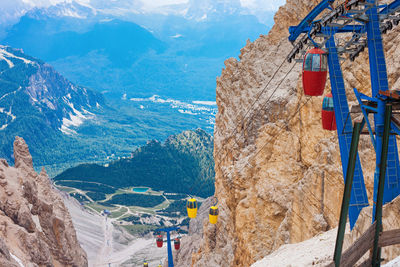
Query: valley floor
(109, 245)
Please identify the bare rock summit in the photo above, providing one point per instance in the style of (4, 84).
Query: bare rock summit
(35, 226)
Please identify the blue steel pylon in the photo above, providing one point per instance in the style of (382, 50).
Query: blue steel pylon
(366, 22)
(358, 198)
(169, 248)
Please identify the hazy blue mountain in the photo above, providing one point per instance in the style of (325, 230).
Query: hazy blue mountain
(39, 104)
(177, 55)
(183, 163)
(121, 42)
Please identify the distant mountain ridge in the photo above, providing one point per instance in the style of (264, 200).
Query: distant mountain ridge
(122, 42)
(38, 103)
(173, 55)
(39, 86)
(182, 164)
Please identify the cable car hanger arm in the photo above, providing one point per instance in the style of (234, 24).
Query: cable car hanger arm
(309, 18)
(347, 28)
(392, 7)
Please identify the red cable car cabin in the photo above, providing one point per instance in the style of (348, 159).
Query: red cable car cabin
(314, 72)
(177, 243)
(328, 113)
(159, 241)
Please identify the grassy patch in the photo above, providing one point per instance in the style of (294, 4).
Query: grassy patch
(140, 200)
(88, 186)
(98, 207)
(118, 213)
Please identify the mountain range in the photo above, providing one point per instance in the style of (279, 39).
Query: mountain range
(39, 105)
(117, 50)
(141, 75)
(66, 124)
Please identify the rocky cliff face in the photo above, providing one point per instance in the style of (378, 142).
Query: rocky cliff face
(34, 223)
(278, 174)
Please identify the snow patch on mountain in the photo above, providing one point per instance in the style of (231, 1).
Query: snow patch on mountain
(74, 119)
(7, 56)
(199, 10)
(9, 114)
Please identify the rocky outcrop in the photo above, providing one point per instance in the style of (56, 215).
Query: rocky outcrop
(190, 243)
(34, 222)
(5, 256)
(278, 174)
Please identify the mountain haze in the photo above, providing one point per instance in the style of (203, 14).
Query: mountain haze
(173, 54)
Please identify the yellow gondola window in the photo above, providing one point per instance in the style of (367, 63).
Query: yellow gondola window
(192, 204)
(214, 212)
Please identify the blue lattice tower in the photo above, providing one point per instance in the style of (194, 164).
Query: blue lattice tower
(358, 199)
(379, 82)
(366, 21)
(169, 247)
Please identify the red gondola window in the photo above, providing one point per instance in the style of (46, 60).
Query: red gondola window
(308, 62)
(327, 104)
(315, 62)
(324, 62)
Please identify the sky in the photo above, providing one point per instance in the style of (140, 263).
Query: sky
(252, 4)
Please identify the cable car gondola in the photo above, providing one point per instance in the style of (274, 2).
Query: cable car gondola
(314, 72)
(191, 206)
(328, 113)
(177, 243)
(213, 214)
(159, 241)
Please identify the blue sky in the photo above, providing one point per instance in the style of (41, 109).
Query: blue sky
(252, 4)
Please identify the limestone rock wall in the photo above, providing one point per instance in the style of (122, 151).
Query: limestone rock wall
(278, 173)
(35, 225)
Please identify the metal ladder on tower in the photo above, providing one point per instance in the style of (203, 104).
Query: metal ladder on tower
(359, 197)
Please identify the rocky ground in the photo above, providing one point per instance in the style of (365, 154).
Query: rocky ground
(105, 242)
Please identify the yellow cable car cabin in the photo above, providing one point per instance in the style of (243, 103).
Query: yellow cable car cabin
(191, 206)
(213, 214)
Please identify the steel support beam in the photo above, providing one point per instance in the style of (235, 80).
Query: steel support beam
(359, 198)
(379, 82)
(376, 254)
(347, 193)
